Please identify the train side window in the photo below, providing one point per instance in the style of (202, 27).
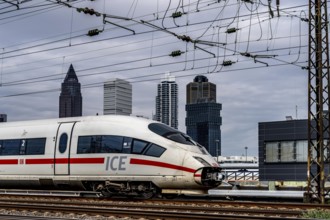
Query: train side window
(170, 133)
(63, 143)
(155, 151)
(112, 144)
(23, 147)
(11, 147)
(1, 146)
(138, 146)
(35, 146)
(100, 144)
(89, 144)
(84, 144)
(127, 145)
(96, 144)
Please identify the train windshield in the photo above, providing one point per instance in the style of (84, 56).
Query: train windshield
(174, 135)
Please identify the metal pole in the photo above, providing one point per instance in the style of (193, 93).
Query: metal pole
(246, 148)
(318, 100)
(217, 149)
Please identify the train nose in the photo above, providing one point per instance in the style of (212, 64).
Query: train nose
(209, 176)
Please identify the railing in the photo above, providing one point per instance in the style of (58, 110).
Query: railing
(241, 175)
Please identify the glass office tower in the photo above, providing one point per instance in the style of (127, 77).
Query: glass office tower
(203, 118)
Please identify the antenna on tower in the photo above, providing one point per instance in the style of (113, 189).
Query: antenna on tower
(296, 111)
(63, 65)
(3, 51)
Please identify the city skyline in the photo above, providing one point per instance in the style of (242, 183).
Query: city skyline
(149, 114)
(256, 62)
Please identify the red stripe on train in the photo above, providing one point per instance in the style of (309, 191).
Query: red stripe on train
(66, 161)
(99, 160)
(39, 161)
(8, 161)
(160, 164)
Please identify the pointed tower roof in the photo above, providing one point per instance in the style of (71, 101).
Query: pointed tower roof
(71, 75)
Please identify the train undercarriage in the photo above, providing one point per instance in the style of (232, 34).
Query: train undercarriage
(143, 190)
(210, 178)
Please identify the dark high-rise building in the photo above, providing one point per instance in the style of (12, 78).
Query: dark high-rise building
(167, 102)
(201, 90)
(203, 119)
(3, 117)
(70, 98)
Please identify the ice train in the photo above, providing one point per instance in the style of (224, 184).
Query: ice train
(110, 154)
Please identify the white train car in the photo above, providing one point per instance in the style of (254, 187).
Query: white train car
(111, 154)
(238, 162)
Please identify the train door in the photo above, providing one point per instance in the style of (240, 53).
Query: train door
(62, 148)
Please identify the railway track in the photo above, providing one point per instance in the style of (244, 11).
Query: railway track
(153, 209)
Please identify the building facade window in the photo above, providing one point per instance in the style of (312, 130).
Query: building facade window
(272, 152)
(301, 151)
(286, 151)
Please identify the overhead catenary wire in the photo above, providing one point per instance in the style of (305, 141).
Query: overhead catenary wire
(81, 35)
(100, 84)
(137, 49)
(45, 78)
(153, 31)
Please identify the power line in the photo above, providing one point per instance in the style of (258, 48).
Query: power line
(225, 48)
(45, 78)
(94, 85)
(96, 41)
(127, 51)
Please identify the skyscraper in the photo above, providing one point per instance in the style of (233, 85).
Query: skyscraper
(117, 97)
(167, 101)
(203, 119)
(70, 97)
(201, 90)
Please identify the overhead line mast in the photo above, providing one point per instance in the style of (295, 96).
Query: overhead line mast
(318, 102)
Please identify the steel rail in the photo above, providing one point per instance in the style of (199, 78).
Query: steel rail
(209, 200)
(189, 207)
(169, 207)
(185, 201)
(142, 212)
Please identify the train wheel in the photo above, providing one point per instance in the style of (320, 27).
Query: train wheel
(106, 193)
(147, 195)
(170, 196)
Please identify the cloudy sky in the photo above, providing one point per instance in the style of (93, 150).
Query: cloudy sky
(39, 40)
